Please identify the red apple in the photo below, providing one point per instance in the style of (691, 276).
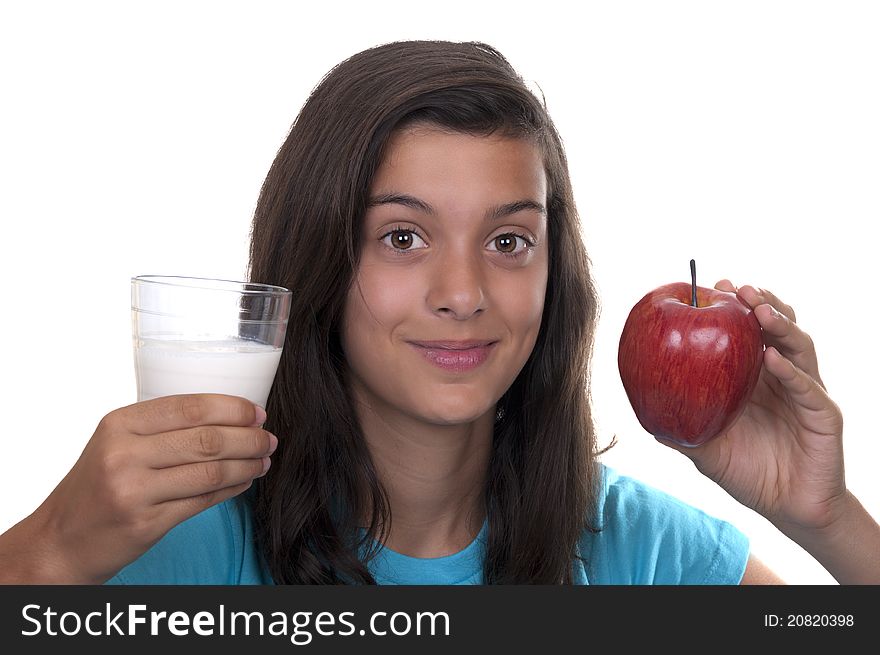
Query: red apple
(689, 371)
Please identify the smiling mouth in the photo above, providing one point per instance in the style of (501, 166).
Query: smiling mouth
(455, 356)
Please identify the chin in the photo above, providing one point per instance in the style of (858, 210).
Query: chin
(455, 414)
(448, 421)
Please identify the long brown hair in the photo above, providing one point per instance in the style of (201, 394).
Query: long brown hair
(541, 486)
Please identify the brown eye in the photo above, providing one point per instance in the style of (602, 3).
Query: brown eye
(401, 239)
(511, 244)
(505, 243)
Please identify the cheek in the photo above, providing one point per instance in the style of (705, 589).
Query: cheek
(522, 304)
(375, 305)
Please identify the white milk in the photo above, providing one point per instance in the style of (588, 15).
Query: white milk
(165, 367)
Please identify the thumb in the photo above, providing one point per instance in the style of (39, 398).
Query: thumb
(811, 404)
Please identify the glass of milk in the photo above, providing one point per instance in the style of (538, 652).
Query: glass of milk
(199, 335)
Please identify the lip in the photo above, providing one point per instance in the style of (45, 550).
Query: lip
(455, 356)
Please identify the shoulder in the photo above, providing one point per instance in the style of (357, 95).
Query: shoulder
(215, 546)
(646, 536)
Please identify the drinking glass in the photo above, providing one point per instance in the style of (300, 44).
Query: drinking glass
(201, 335)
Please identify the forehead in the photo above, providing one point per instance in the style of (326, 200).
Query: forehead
(429, 158)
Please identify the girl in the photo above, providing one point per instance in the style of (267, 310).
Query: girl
(430, 421)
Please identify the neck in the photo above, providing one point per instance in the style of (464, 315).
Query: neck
(434, 476)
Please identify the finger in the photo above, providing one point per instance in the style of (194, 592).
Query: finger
(204, 443)
(791, 341)
(813, 408)
(189, 480)
(755, 296)
(725, 285)
(189, 410)
(177, 511)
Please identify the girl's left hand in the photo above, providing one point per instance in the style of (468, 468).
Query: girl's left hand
(784, 455)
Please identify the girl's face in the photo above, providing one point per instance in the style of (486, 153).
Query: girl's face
(447, 300)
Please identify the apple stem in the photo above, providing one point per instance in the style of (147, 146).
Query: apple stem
(693, 283)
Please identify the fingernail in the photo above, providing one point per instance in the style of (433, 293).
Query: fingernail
(261, 415)
(273, 443)
(756, 291)
(266, 464)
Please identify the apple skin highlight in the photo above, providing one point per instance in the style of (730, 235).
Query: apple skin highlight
(689, 371)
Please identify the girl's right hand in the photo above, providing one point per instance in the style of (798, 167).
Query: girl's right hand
(147, 467)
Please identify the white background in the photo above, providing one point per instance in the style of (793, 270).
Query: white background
(134, 138)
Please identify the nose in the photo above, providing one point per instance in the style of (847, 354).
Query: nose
(457, 286)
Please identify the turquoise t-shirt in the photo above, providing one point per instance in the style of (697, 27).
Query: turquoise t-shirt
(647, 537)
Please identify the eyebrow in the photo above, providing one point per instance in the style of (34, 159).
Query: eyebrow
(494, 213)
